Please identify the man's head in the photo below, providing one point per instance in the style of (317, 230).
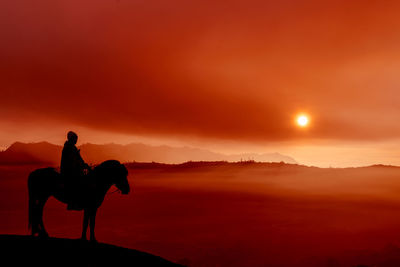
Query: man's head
(72, 137)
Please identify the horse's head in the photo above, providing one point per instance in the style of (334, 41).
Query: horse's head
(117, 172)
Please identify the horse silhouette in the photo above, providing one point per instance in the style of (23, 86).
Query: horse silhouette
(46, 182)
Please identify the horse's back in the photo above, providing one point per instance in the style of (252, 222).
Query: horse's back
(43, 175)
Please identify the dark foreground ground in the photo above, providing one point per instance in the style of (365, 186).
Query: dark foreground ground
(31, 251)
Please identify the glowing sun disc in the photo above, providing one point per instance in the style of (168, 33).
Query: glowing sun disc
(302, 120)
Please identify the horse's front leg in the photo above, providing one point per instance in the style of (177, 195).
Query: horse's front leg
(42, 231)
(92, 221)
(85, 224)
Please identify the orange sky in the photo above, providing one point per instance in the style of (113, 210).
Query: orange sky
(225, 75)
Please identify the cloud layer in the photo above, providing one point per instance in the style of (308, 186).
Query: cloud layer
(198, 68)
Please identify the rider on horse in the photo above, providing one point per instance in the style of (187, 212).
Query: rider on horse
(73, 170)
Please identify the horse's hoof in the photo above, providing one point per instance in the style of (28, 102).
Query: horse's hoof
(93, 240)
(43, 236)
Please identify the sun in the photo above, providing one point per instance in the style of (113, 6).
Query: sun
(302, 120)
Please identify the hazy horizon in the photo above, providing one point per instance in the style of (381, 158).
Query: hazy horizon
(322, 163)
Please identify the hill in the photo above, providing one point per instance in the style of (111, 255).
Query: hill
(32, 153)
(43, 152)
(31, 251)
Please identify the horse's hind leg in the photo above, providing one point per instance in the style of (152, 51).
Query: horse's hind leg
(33, 215)
(85, 224)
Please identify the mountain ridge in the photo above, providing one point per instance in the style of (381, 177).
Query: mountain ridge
(44, 152)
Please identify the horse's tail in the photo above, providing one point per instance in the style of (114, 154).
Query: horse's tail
(31, 202)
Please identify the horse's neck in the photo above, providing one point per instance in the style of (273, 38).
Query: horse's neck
(104, 185)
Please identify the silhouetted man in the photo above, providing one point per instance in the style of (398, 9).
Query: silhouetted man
(72, 168)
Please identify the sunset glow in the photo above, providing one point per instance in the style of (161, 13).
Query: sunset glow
(246, 132)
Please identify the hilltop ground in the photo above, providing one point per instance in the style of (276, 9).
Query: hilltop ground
(56, 252)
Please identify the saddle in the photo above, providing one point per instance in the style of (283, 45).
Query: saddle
(77, 191)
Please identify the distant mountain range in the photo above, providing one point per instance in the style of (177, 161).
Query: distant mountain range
(44, 152)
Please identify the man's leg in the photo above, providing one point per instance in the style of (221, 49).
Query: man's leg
(71, 194)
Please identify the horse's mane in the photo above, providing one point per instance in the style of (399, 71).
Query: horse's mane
(110, 165)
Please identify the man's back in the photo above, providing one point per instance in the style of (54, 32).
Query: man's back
(72, 164)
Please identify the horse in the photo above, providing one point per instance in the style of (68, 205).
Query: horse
(46, 182)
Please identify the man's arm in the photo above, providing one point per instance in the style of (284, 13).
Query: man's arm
(81, 161)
